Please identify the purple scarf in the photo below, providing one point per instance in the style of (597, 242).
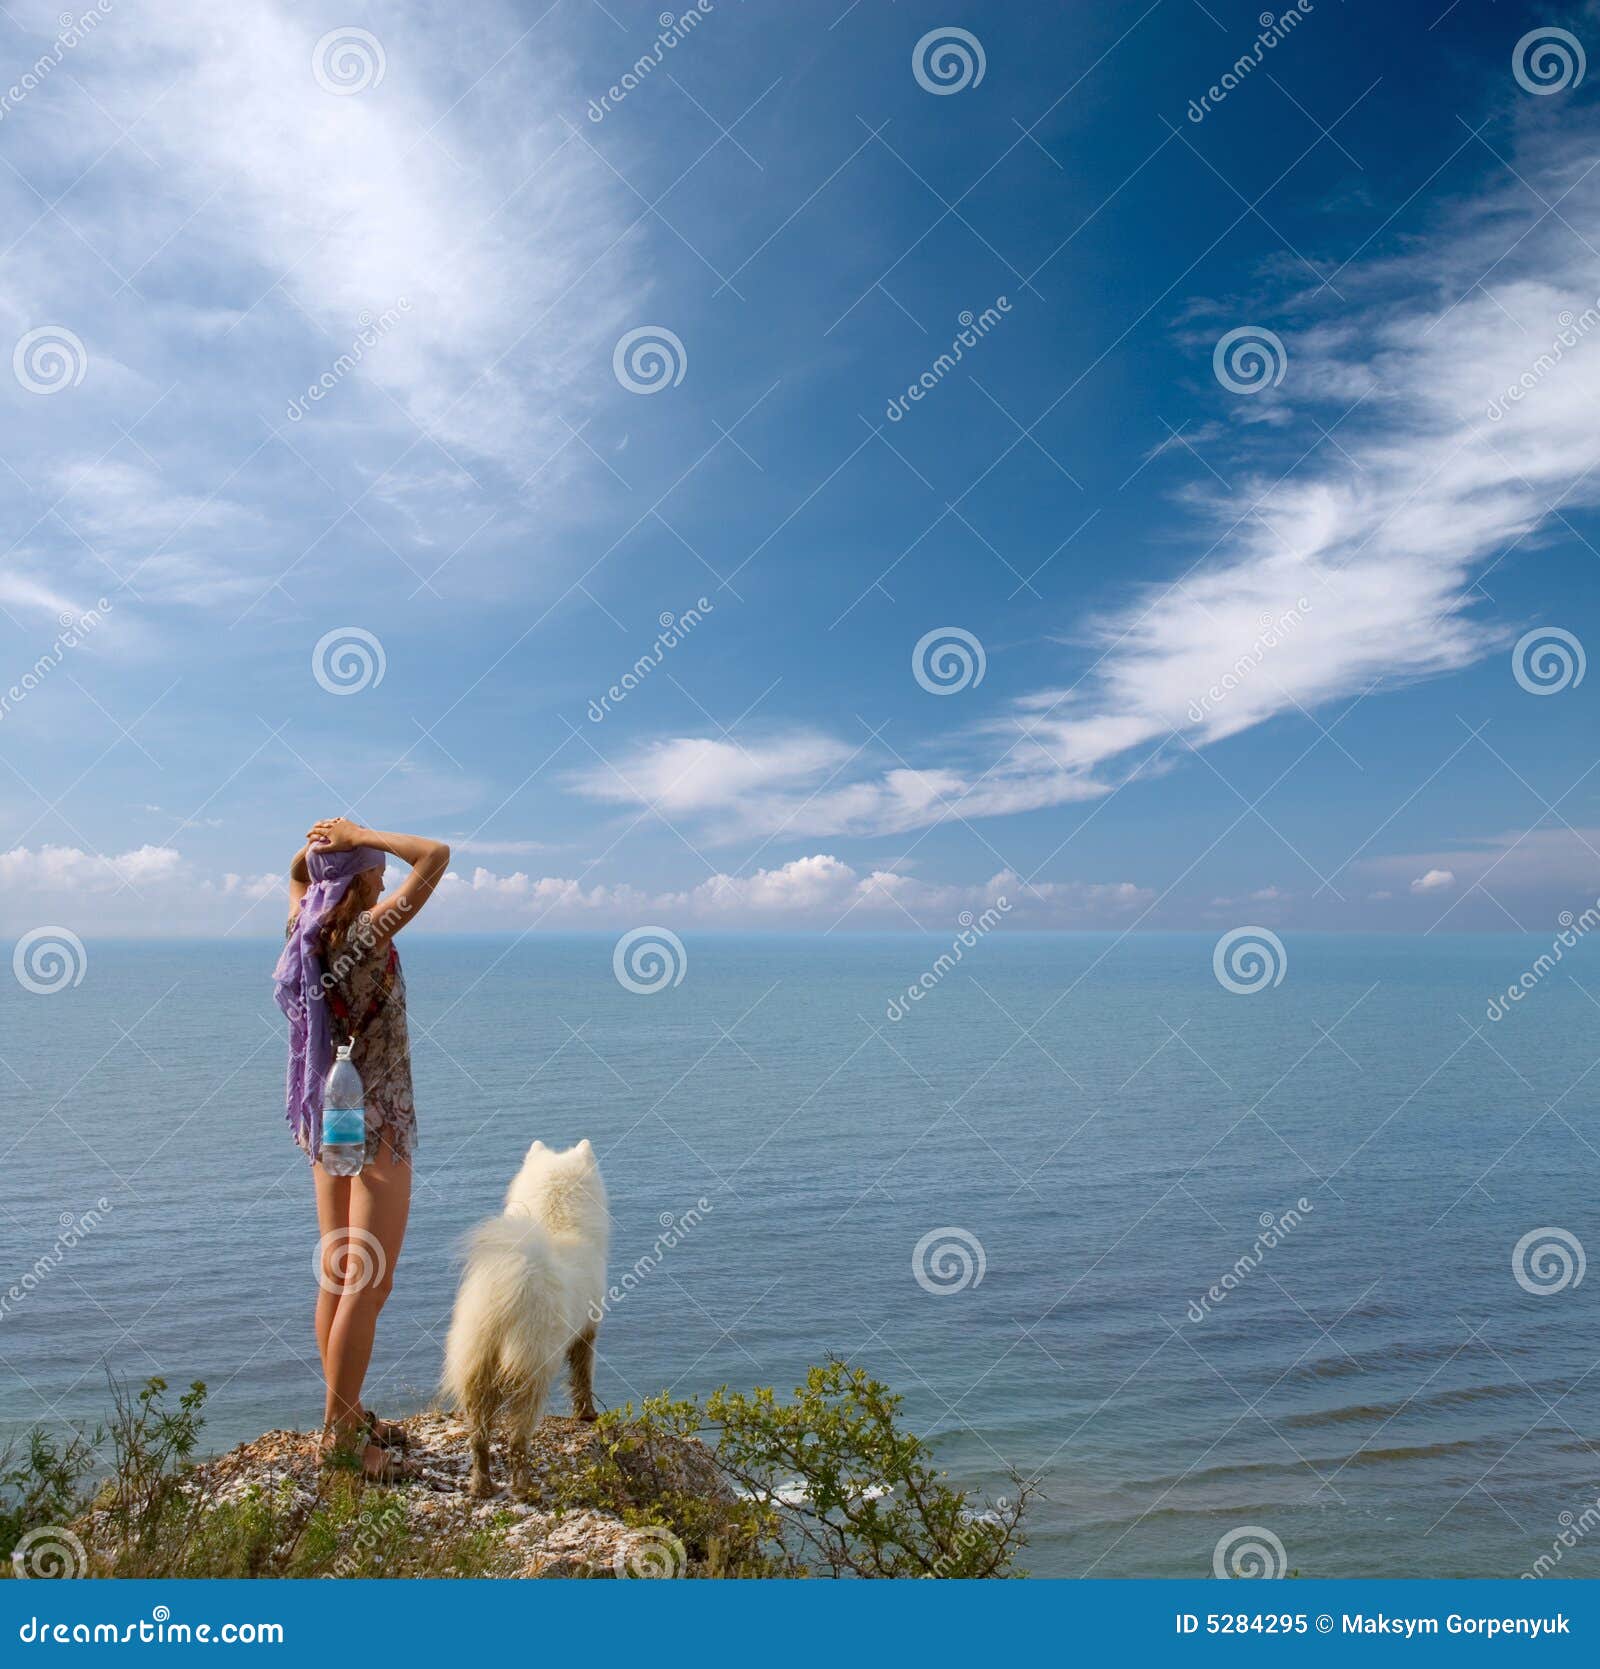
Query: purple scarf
(299, 991)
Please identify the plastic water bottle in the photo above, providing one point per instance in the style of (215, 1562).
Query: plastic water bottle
(344, 1123)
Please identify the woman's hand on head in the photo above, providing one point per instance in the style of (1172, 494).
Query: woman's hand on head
(334, 834)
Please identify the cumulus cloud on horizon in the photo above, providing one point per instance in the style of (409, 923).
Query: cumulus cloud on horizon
(817, 891)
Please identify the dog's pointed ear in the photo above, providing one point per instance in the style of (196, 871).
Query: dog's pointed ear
(585, 1149)
(538, 1146)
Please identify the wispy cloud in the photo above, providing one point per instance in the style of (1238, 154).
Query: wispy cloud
(1353, 559)
(225, 228)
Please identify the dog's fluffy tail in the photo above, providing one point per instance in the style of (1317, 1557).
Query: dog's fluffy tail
(507, 1330)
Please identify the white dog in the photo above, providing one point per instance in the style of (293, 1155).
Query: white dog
(532, 1294)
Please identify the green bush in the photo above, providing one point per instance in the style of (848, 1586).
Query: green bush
(828, 1484)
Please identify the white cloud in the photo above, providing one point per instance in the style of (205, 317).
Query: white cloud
(815, 891)
(156, 889)
(68, 869)
(1313, 579)
(1558, 864)
(1436, 880)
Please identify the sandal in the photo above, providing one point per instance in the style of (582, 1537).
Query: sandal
(385, 1466)
(386, 1434)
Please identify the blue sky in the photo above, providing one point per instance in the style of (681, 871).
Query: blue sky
(215, 206)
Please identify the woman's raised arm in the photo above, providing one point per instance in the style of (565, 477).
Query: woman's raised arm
(429, 859)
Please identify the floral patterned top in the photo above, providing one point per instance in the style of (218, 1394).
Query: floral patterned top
(368, 1003)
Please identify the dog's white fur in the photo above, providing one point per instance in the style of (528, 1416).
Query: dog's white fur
(530, 1298)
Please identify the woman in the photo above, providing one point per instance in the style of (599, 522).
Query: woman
(339, 981)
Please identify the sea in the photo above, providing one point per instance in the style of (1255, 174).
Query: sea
(1274, 1263)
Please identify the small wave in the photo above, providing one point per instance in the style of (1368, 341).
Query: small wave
(1313, 1465)
(1465, 1396)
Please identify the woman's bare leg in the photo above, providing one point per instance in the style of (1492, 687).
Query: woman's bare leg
(333, 1223)
(380, 1202)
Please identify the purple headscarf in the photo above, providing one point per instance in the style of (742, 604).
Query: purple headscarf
(299, 990)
